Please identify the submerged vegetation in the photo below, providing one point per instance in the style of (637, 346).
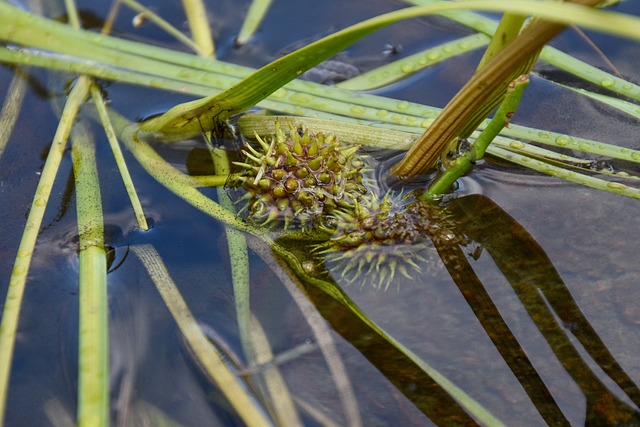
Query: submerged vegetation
(305, 190)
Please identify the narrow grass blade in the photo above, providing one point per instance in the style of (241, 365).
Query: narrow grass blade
(93, 355)
(199, 25)
(405, 67)
(147, 14)
(98, 101)
(232, 388)
(17, 283)
(11, 106)
(275, 390)
(252, 20)
(239, 260)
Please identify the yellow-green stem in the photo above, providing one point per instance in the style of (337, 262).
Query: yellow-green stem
(93, 351)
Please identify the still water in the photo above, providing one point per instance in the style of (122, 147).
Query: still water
(545, 301)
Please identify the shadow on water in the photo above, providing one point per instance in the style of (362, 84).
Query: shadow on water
(543, 294)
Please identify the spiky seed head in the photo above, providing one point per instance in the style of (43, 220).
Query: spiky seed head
(311, 171)
(376, 238)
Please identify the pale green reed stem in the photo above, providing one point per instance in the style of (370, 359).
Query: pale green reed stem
(117, 154)
(17, 283)
(93, 351)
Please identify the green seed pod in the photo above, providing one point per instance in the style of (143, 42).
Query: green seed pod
(279, 192)
(291, 185)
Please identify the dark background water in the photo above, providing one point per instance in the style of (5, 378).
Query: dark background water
(589, 235)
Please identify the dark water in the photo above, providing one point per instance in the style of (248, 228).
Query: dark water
(560, 262)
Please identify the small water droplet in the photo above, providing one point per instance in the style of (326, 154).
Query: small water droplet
(407, 68)
(544, 135)
(433, 55)
(381, 113)
(23, 253)
(608, 82)
(564, 140)
(402, 105)
(518, 145)
(635, 155)
(18, 270)
(356, 109)
(40, 202)
(616, 186)
(280, 93)
(301, 98)
(426, 123)
(627, 86)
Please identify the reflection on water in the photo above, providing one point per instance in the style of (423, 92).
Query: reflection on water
(533, 313)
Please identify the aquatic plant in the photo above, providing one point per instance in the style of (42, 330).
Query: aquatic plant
(358, 234)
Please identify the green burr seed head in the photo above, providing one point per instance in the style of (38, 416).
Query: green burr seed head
(312, 172)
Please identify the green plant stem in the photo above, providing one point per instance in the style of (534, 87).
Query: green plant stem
(93, 352)
(252, 20)
(17, 283)
(404, 67)
(464, 163)
(11, 106)
(161, 23)
(199, 25)
(507, 31)
(239, 259)
(117, 154)
(214, 180)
